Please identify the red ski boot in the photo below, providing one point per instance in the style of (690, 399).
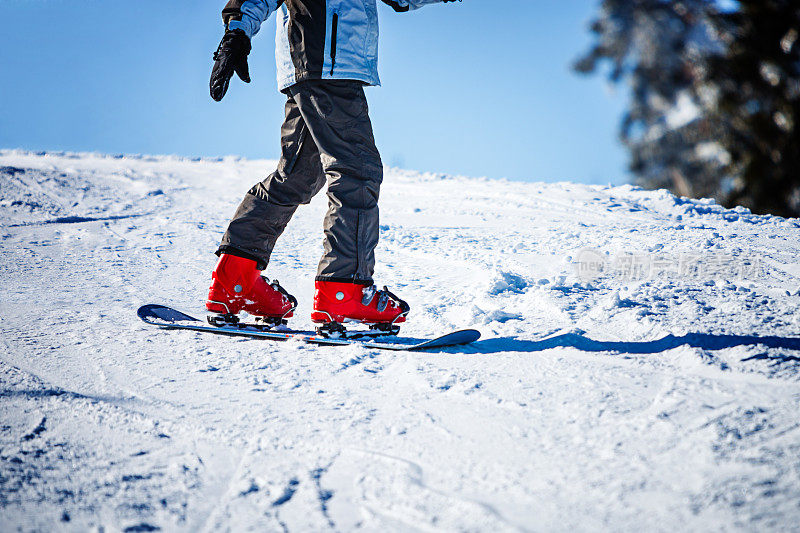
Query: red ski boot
(239, 286)
(336, 302)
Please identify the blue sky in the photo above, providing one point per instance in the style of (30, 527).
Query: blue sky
(480, 88)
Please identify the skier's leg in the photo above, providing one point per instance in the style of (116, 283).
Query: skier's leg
(269, 205)
(337, 117)
(259, 221)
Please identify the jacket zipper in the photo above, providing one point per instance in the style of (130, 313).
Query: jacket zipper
(334, 30)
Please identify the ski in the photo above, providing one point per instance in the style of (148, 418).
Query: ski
(169, 318)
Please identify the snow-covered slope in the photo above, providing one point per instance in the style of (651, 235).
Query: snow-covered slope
(639, 366)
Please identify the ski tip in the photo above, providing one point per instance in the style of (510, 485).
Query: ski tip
(155, 313)
(146, 311)
(456, 338)
(466, 336)
(474, 334)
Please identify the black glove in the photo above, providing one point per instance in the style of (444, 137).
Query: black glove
(230, 57)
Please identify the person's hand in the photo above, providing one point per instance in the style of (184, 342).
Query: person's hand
(230, 57)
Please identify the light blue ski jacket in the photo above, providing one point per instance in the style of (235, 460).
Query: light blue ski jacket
(318, 39)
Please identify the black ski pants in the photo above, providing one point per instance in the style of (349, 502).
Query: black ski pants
(326, 137)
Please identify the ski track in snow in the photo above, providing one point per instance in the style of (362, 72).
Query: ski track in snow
(657, 403)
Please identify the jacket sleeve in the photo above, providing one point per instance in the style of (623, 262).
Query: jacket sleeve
(405, 5)
(247, 15)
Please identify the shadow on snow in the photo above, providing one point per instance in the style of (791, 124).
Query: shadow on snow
(705, 341)
(76, 220)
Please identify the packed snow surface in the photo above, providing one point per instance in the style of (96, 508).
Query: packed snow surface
(639, 367)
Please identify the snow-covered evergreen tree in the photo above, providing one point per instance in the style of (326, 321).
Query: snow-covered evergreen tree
(758, 97)
(660, 48)
(714, 96)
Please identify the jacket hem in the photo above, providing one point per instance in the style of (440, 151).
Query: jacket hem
(288, 81)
